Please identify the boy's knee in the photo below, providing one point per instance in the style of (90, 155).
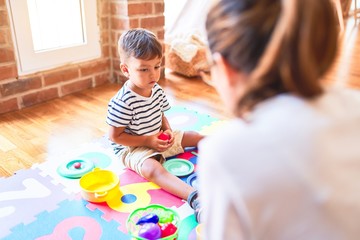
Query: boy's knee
(151, 168)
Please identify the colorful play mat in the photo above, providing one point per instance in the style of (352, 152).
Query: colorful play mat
(45, 202)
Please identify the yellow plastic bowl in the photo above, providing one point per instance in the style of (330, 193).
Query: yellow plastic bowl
(99, 185)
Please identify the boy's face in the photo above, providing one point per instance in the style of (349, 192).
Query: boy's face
(143, 74)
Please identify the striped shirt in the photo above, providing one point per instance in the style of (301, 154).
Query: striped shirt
(139, 115)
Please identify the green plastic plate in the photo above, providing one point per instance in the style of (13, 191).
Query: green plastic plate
(68, 170)
(179, 167)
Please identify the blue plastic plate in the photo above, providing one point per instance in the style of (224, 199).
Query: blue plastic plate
(192, 180)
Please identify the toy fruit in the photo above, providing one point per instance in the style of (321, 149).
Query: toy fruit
(168, 229)
(148, 218)
(166, 217)
(162, 212)
(164, 136)
(77, 165)
(150, 231)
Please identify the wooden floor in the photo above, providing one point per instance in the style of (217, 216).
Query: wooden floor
(34, 134)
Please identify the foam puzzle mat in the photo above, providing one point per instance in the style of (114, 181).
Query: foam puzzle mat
(38, 203)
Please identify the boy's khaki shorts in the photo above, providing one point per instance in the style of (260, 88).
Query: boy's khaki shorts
(134, 157)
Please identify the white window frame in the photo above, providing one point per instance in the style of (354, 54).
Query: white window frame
(29, 61)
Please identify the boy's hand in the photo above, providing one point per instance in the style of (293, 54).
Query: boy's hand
(159, 144)
(170, 136)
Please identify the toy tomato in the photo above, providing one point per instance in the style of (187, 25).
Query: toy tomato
(148, 218)
(150, 231)
(167, 229)
(164, 136)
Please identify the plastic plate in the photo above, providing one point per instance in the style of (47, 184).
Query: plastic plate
(179, 167)
(192, 180)
(68, 169)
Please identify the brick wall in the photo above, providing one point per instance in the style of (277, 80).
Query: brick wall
(114, 16)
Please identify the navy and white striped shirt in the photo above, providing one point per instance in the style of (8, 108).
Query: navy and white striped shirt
(139, 115)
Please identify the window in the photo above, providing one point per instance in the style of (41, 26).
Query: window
(51, 33)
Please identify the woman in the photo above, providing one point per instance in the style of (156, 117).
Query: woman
(287, 166)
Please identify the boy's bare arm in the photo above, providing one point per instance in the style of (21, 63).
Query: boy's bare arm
(118, 135)
(165, 124)
(167, 129)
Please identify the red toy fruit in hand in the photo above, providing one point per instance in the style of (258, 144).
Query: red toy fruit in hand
(167, 229)
(164, 136)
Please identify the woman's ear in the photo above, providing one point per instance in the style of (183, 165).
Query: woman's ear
(225, 69)
(124, 69)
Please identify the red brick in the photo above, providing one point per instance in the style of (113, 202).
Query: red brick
(105, 51)
(6, 55)
(160, 34)
(116, 64)
(116, 36)
(140, 8)
(19, 86)
(152, 22)
(8, 105)
(3, 18)
(105, 8)
(104, 37)
(104, 22)
(8, 71)
(94, 67)
(119, 9)
(119, 23)
(159, 7)
(3, 36)
(102, 79)
(114, 52)
(40, 96)
(76, 86)
(134, 23)
(61, 76)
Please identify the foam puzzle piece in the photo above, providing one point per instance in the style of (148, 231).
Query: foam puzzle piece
(72, 220)
(213, 127)
(24, 195)
(186, 119)
(40, 204)
(103, 158)
(187, 228)
(136, 192)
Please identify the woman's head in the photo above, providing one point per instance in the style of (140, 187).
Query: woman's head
(279, 45)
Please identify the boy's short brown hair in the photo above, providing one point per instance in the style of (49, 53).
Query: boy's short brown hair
(139, 43)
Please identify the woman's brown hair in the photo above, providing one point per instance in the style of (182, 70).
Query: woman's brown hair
(282, 45)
